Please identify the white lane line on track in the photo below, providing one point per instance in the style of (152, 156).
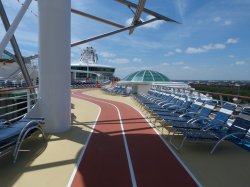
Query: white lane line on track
(169, 147)
(132, 173)
(83, 151)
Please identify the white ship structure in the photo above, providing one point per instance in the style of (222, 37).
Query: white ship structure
(87, 69)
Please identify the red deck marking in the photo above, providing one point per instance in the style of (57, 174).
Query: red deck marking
(104, 162)
(153, 163)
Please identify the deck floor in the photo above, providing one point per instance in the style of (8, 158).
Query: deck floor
(52, 163)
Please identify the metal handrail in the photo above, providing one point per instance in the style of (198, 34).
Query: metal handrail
(246, 98)
(223, 94)
(12, 112)
(11, 98)
(11, 105)
(8, 90)
(13, 108)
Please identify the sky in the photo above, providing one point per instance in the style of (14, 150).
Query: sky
(211, 43)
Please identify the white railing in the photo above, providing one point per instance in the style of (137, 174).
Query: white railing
(221, 97)
(16, 103)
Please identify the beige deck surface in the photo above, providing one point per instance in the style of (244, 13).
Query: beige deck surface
(229, 166)
(54, 166)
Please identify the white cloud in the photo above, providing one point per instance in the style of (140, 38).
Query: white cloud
(213, 46)
(153, 25)
(231, 56)
(165, 64)
(137, 60)
(223, 21)
(119, 61)
(186, 67)
(178, 50)
(106, 54)
(129, 21)
(184, 35)
(217, 19)
(232, 41)
(178, 63)
(227, 23)
(205, 48)
(169, 53)
(209, 47)
(172, 64)
(241, 62)
(181, 6)
(192, 50)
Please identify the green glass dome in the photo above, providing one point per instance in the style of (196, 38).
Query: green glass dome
(146, 76)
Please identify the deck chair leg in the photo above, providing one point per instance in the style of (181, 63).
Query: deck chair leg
(170, 130)
(217, 144)
(20, 141)
(180, 146)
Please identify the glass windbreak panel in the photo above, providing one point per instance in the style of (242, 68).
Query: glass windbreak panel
(139, 76)
(148, 76)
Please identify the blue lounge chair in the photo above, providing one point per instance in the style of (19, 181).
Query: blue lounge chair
(176, 103)
(13, 134)
(189, 114)
(202, 118)
(236, 133)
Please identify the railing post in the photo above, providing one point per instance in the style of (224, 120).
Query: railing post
(199, 95)
(221, 100)
(28, 100)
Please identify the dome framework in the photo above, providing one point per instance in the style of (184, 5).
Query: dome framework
(146, 76)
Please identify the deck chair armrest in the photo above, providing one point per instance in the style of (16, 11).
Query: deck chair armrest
(232, 134)
(182, 109)
(187, 114)
(5, 123)
(201, 119)
(172, 107)
(176, 110)
(217, 126)
(167, 104)
(38, 119)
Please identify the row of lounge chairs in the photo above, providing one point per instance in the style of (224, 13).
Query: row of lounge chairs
(195, 119)
(117, 90)
(81, 84)
(12, 135)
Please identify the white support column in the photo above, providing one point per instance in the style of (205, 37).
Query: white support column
(54, 64)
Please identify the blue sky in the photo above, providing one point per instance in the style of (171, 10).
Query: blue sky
(211, 43)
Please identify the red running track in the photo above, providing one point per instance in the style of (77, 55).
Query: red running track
(105, 161)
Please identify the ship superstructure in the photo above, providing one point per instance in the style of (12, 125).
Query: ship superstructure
(89, 69)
